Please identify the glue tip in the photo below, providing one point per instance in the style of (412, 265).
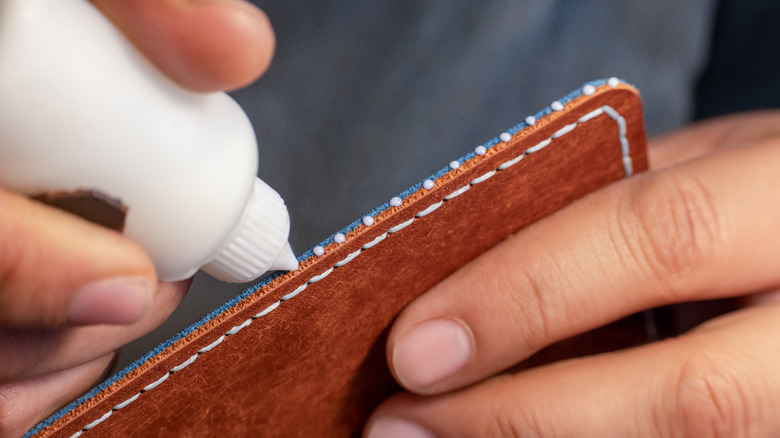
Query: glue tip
(285, 261)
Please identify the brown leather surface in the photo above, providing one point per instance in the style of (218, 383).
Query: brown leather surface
(315, 366)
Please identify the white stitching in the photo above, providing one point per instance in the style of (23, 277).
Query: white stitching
(400, 226)
(127, 402)
(317, 278)
(154, 384)
(238, 328)
(511, 162)
(348, 259)
(592, 114)
(179, 367)
(98, 421)
(482, 178)
(430, 209)
(212, 345)
(628, 169)
(458, 192)
(267, 310)
(565, 130)
(300, 289)
(375, 241)
(538, 147)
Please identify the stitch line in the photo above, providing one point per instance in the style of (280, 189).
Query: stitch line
(627, 166)
(154, 384)
(238, 328)
(375, 241)
(179, 367)
(430, 209)
(482, 178)
(348, 259)
(538, 147)
(565, 130)
(458, 192)
(300, 289)
(212, 345)
(400, 226)
(126, 402)
(267, 310)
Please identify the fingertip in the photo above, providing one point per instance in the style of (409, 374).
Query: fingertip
(205, 45)
(121, 300)
(389, 427)
(402, 415)
(424, 357)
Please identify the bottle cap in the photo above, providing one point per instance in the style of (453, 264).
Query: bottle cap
(258, 242)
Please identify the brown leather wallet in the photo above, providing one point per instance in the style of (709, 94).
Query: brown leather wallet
(303, 353)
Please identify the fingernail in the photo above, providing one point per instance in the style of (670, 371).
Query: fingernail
(431, 352)
(112, 301)
(394, 428)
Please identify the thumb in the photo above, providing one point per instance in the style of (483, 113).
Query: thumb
(56, 268)
(204, 45)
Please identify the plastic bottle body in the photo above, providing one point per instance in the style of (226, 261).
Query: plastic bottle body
(80, 108)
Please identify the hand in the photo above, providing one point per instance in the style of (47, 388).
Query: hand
(702, 225)
(71, 292)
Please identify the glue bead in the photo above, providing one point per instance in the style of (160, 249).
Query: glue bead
(368, 221)
(428, 184)
(588, 90)
(339, 238)
(505, 137)
(480, 150)
(396, 202)
(557, 106)
(318, 251)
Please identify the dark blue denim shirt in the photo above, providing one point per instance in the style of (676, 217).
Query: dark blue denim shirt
(364, 98)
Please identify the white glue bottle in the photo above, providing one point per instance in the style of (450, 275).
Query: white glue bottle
(82, 109)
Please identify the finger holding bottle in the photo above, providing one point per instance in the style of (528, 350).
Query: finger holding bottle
(59, 269)
(203, 45)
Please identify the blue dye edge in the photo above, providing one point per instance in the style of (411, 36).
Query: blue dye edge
(252, 289)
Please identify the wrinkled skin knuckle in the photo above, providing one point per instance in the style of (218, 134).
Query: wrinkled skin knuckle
(710, 402)
(509, 420)
(672, 227)
(24, 350)
(532, 317)
(505, 425)
(20, 281)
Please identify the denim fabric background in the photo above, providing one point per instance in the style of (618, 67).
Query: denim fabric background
(364, 98)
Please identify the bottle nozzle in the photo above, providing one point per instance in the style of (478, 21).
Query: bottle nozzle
(286, 260)
(259, 241)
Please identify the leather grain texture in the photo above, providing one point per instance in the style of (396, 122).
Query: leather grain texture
(304, 355)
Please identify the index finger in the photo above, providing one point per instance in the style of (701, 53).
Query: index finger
(712, 135)
(203, 45)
